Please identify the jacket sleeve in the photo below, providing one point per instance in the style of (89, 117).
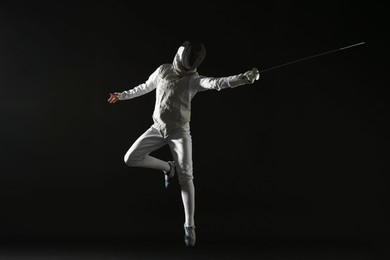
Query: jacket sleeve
(141, 89)
(202, 83)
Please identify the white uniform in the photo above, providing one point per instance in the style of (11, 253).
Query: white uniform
(175, 88)
(176, 85)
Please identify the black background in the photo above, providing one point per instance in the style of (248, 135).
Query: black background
(302, 154)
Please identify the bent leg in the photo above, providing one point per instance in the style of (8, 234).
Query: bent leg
(138, 153)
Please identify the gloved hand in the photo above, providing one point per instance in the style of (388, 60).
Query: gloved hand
(248, 77)
(252, 75)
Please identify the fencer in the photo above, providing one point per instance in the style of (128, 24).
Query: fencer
(176, 84)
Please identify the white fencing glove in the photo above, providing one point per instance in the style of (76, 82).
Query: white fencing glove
(248, 77)
(252, 75)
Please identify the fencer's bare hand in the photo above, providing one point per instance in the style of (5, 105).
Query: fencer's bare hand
(113, 98)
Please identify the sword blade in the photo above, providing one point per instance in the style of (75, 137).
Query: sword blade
(312, 56)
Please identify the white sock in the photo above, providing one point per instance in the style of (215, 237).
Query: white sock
(188, 198)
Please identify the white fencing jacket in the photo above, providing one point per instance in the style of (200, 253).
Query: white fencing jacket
(175, 88)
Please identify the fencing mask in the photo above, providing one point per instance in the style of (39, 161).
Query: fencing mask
(193, 54)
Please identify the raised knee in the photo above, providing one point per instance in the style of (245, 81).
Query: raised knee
(131, 161)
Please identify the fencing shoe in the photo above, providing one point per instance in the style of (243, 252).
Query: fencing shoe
(169, 174)
(190, 236)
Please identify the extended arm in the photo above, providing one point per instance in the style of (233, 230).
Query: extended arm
(137, 91)
(219, 83)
